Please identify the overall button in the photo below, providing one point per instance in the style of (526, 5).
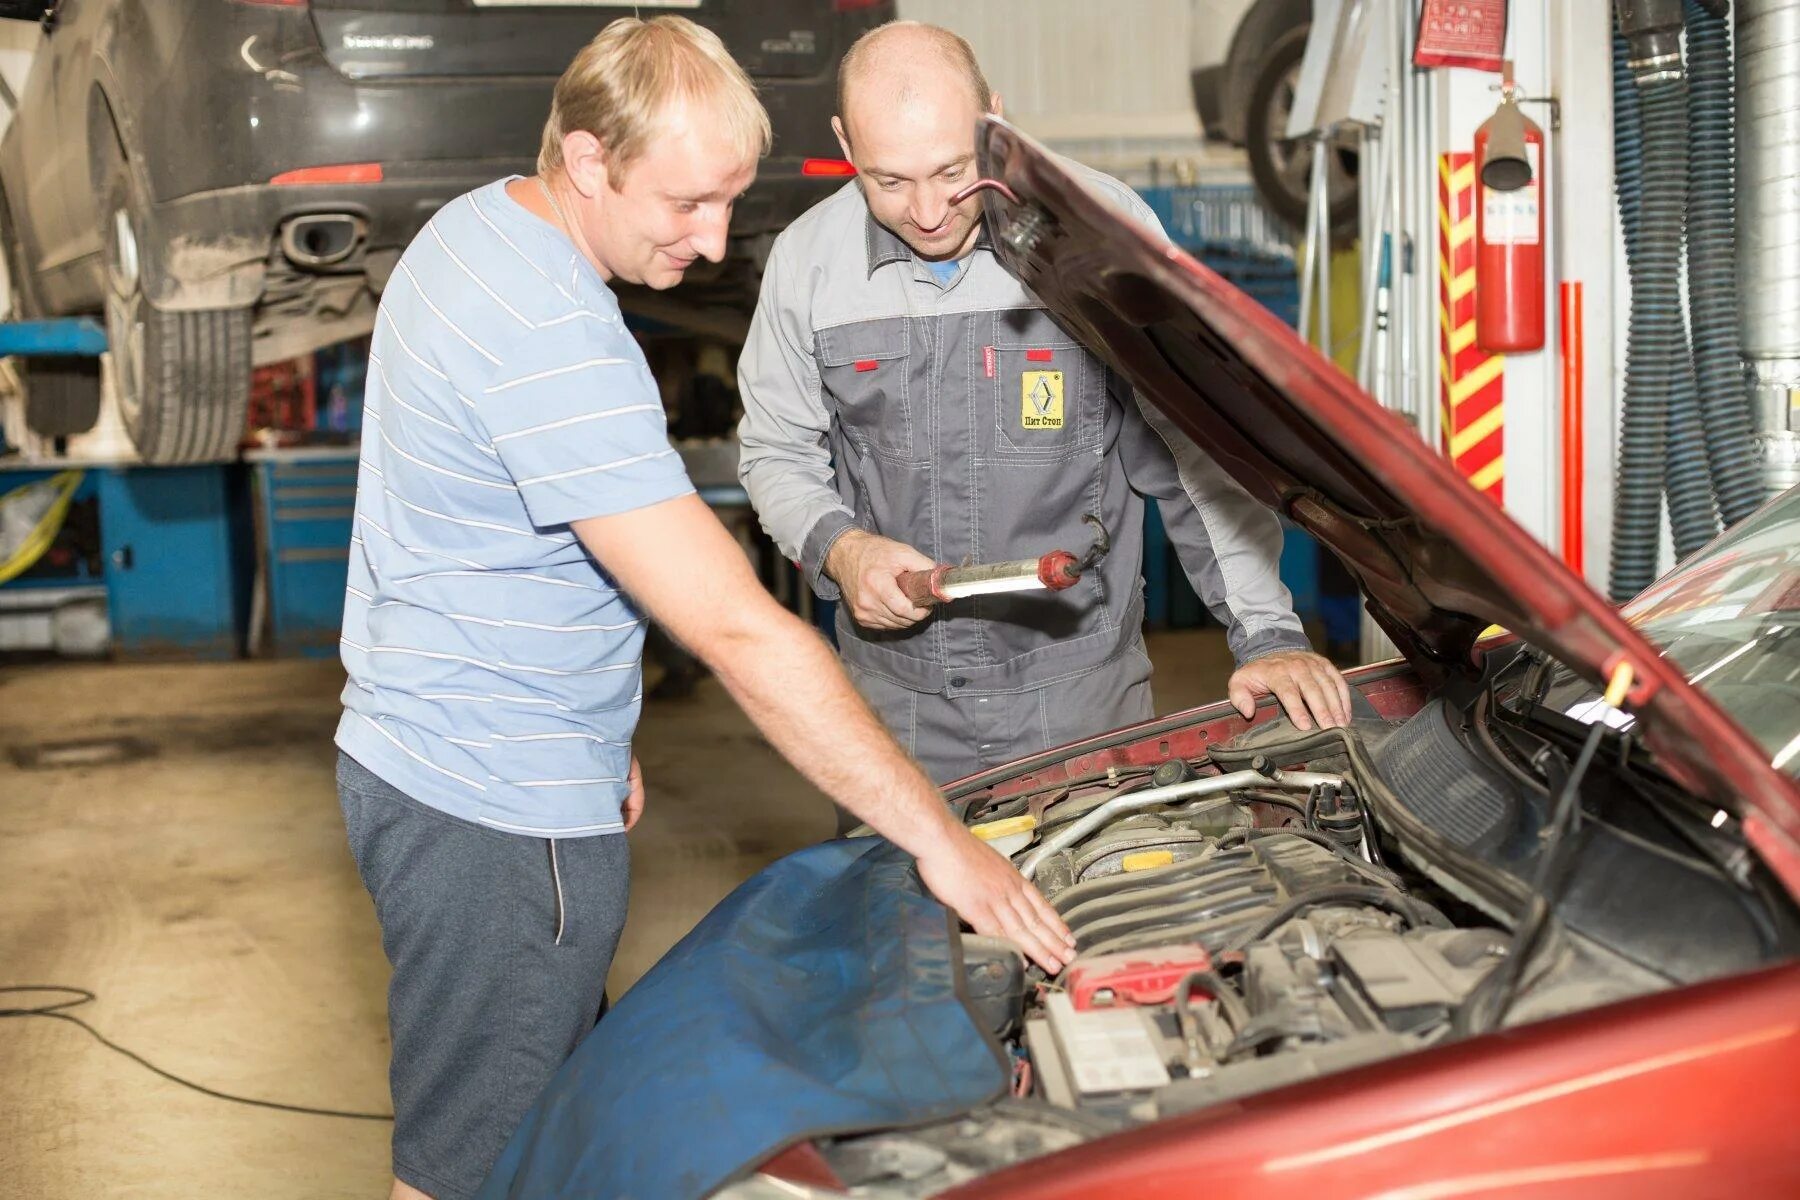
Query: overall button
(957, 681)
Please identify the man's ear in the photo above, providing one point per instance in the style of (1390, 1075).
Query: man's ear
(584, 162)
(994, 105)
(843, 139)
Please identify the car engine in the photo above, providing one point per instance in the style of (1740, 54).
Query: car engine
(1239, 927)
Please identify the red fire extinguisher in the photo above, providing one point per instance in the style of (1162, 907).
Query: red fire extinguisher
(1509, 229)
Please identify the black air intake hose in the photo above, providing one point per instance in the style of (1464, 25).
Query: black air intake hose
(1637, 500)
(1725, 403)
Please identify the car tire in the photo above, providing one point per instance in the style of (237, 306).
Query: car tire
(182, 377)
(1281, 168)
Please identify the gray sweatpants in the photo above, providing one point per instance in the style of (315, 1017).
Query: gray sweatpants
(500, 953)
(953, 736)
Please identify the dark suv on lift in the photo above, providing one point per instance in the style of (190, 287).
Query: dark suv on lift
(232, 181)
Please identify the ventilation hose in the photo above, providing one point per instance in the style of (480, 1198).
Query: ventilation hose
(1637, 500)
(1693, 518)
(1724, 395)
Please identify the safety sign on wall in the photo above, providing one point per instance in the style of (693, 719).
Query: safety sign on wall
(1461, 33)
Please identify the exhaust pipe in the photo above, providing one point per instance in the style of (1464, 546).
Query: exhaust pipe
(322, 239)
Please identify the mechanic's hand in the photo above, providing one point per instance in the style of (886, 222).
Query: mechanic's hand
(1307, 685)
(983, 888)
(868, 569)
(634, 798)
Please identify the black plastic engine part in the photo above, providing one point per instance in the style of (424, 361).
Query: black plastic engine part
(1446, 785)
(993, 982)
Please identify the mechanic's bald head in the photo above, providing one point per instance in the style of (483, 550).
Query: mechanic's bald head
(898, 63)
(909, 96)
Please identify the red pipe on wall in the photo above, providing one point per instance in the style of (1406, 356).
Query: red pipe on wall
(1572, 452)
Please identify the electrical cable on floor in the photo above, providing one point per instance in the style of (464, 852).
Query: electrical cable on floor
(58, 1011)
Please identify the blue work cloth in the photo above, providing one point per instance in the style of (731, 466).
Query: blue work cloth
(820, 997)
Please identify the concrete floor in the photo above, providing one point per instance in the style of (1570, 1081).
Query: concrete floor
(205, 892)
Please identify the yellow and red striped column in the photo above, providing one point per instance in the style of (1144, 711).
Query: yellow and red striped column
(1473, 380)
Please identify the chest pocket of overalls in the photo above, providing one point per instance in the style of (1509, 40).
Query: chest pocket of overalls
(863, 367)
(1047, 389)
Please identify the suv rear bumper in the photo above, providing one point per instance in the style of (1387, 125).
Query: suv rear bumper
(212, 249)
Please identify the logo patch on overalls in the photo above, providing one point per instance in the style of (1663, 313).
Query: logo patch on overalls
(1041, 399)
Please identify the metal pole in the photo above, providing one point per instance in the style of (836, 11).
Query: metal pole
(1322, 203)
(1371, 279)
(1309, 253)
(1399, 297)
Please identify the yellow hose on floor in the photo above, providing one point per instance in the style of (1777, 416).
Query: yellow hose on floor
(42, 534)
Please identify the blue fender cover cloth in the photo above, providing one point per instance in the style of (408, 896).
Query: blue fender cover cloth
(821, 997)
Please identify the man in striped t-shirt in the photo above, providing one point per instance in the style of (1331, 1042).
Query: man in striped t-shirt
(519, 508)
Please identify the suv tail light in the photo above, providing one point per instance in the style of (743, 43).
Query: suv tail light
(339, 173)
(827, 167)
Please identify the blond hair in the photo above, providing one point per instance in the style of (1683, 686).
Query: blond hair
(621, 82)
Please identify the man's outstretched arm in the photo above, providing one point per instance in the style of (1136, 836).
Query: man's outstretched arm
(684, 569)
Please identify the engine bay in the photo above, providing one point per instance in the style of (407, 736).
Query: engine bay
(1295, 904)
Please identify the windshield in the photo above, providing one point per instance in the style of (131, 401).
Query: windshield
(1731, 620)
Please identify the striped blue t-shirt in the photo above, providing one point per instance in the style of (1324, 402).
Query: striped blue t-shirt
(495, 669)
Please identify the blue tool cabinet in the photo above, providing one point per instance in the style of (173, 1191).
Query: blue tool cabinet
(175, 553)
(305, 506)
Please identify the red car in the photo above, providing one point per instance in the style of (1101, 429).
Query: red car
(1528, 928)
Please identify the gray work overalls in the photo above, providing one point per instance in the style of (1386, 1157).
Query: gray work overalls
(961, 419)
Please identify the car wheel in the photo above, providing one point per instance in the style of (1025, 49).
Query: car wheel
(1282, 167)
(182, 378)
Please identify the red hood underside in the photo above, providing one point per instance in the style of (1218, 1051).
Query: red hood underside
(1437, 562)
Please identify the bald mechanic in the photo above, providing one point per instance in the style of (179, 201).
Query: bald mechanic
(519, 510)
(890, 389)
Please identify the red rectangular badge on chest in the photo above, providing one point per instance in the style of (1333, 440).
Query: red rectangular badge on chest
(1039, 356)
(867, 364)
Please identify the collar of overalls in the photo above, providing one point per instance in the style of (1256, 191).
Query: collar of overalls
(884, 245)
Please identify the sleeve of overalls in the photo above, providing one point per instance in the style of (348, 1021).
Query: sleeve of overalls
(1229, 544)
(784, 462)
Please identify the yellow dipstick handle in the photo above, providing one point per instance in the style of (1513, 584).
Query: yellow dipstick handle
(1620, 685)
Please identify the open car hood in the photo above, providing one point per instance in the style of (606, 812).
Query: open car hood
(1437, 561)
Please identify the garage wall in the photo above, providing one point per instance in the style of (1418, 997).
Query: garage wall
(1105, 83)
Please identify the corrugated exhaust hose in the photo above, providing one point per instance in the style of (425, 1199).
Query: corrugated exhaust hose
(1643, 426)
(1725, 404)
(1686, 429)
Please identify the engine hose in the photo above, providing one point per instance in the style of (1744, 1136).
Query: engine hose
(1237, 1013)
(1416, 913)
(1725, 403)
(1693, 518)
(1637, 494)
